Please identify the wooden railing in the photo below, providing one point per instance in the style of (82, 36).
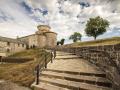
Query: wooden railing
(43, 64)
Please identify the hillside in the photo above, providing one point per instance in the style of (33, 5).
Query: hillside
(22, 73)
(108, 41)
(31, 53)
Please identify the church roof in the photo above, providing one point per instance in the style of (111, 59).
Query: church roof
(43, 26)
(6, 39)
(27, 36)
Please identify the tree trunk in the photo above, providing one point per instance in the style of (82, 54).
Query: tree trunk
(95, 37)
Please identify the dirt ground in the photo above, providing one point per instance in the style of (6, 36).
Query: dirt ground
(4, 85)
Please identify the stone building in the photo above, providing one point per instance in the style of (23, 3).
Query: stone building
(44, 37)
(11, 45)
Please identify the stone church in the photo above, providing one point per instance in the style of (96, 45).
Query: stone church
(44, 37)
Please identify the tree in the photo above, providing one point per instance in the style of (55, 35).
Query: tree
(96, 26)
(62, 41)
(75, 37)
(58, 43)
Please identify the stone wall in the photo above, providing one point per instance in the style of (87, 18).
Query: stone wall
(30, 40)
(16, 59)
(107, 58)
(51, 39)
(44, 37)
(43, 27)
(41, 40)
(12, 47)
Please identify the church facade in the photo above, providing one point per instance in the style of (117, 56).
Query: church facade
(44, 37)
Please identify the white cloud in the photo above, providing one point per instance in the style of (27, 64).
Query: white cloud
(64, 16)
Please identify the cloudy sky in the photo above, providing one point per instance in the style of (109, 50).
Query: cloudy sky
(20, 17)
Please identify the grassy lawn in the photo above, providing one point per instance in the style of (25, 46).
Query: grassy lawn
(22, 73)
(109, 41)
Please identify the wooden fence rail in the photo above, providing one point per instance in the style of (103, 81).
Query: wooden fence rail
(45, 61)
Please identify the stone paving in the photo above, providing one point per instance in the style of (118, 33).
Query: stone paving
(78, 65)
(64, 74)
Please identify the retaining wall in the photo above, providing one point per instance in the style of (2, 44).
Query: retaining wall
(106, 57)
(15, 60)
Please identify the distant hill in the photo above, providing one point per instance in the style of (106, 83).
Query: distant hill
(108, 41)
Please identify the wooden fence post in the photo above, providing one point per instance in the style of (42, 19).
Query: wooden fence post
(54, 53)
(45, 61)
(1, 59)
(51, 57)
(37, 74)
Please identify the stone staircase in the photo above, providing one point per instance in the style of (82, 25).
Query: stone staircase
(70, 72)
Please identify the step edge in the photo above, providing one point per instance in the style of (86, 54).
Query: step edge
(48, 84)
(77, 73)
(93, 82)
(71, 87)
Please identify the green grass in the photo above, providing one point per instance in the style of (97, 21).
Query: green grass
(23, 74)
(108, 41)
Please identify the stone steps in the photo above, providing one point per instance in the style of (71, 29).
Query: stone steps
(70, 72)
(67, 58)
(67, 80)
(65, 54)
(47, 86)
(78, 78)
(74, 66)
(98, 74)
(71, 84)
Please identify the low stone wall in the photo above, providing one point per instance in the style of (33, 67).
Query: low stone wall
(15, 60)
(106, 57)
